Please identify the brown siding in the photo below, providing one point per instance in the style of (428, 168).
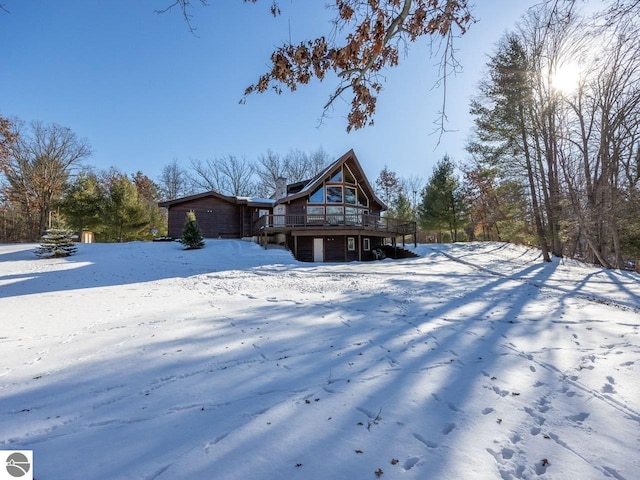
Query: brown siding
(334, 249)
(215, 217)
(305, 248)
(297, 207)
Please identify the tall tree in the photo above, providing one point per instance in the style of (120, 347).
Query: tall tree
(124, 211)
(504, 125)
(37, 169)
(149, 194)
(388, 185)
(443, 205)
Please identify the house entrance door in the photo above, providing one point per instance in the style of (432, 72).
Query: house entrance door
(318, 250)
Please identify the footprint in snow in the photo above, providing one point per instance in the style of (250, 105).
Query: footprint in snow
(502, 393)
(428, 443)
(578, 418)
(608, 388)
(410, 463)
(500, 457)
(449, 427)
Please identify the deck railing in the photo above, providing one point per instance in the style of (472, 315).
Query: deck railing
(274, 223)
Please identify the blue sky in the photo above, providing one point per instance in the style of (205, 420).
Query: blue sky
(144, 91)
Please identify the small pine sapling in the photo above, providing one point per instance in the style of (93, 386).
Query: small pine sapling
(57, 242)
(191, 236)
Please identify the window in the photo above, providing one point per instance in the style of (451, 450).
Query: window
(348, 176)
(353, 216)
(363, 201)
(336, 177)
(351, 244)
(350, 196)
(366, 244)
(334, 194)
(315, 214)
(317, 196)
(335, 215)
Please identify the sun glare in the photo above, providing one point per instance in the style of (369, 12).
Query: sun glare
(566, 78)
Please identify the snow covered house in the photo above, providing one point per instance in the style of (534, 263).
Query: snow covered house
(335, 216)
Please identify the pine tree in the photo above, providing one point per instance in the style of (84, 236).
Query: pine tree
(57, 242)
(191, 237)
(443, 205)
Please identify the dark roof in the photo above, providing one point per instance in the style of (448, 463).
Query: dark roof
(296, 187)
(250, 201)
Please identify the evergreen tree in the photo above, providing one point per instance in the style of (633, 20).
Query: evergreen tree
(191, 236)
(57, 242)
(124, 211)
(442, 205)
(81, 202)
(401, 208)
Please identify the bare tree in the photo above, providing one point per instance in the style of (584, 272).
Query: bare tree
(412, 187)
(228, 175)
(387, 185)
(295, 166)
(38, 167)
(269, 167)
(174, 181)
(599, 157)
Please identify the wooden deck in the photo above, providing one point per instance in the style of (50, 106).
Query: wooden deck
(377, 226)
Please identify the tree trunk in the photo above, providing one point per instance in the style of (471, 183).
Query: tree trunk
(542, 239)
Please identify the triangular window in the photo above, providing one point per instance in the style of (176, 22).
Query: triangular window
(317, 196)
(348, 176)
(363, 201)
(336, 177)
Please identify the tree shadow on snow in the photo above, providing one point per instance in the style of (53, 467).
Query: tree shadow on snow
(319, 388)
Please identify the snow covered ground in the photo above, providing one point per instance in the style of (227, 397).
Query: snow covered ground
(474, 361)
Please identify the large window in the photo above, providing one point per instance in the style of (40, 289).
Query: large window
(353, 216)
(334, 194)
(350, 196)
(342, 196)
(315, 214)
(335, 215)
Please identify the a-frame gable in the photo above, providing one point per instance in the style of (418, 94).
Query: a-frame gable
(351, 161)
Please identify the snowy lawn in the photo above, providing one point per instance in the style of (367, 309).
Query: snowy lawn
(474, 361)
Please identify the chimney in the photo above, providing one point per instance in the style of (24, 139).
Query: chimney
(281, 188)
